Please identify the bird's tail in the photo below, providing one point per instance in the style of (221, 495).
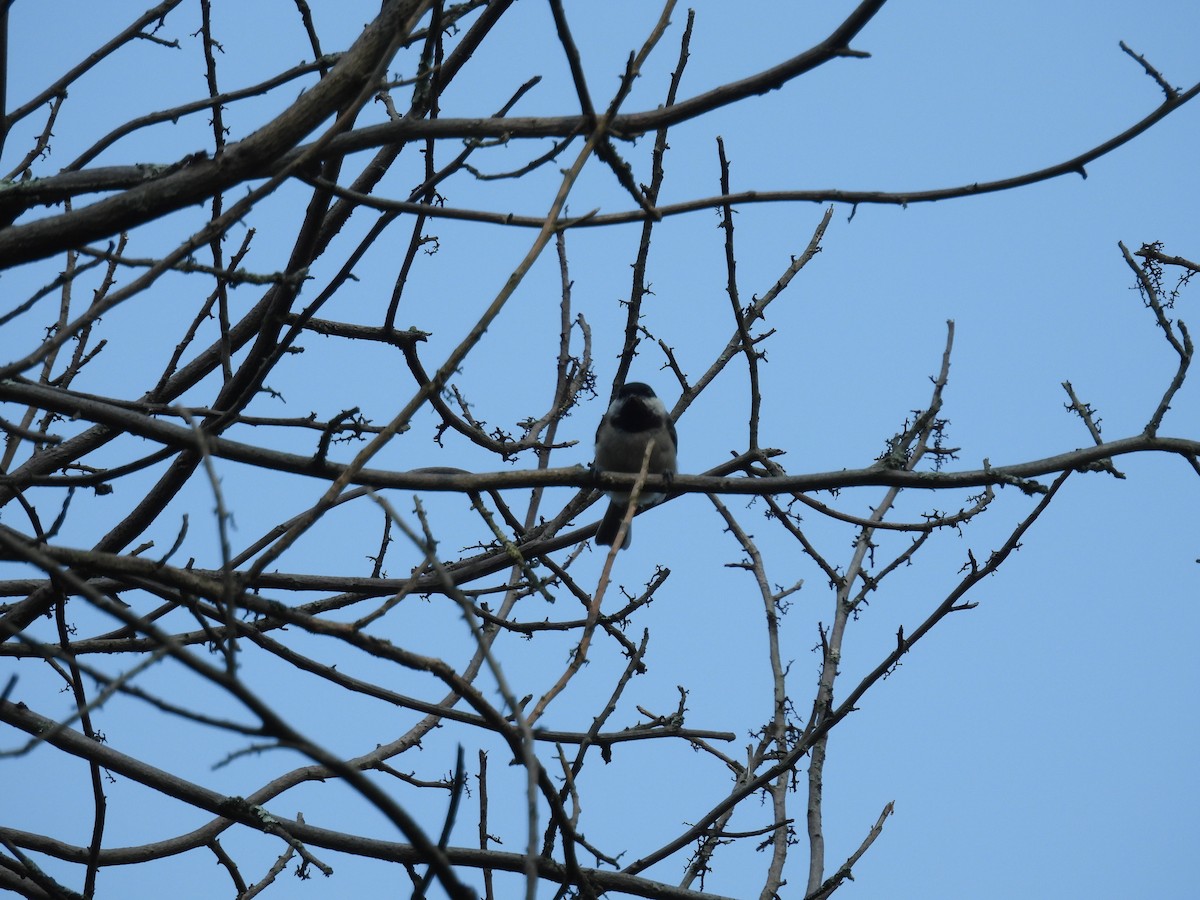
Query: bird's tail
(610, 524)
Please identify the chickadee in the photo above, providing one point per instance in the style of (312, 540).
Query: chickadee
(634, 419)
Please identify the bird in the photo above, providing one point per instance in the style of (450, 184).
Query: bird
(635, 418)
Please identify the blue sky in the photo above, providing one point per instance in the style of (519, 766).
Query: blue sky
(1040, 745)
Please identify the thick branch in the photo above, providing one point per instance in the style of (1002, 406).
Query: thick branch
(181, 438)
(197, 178)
